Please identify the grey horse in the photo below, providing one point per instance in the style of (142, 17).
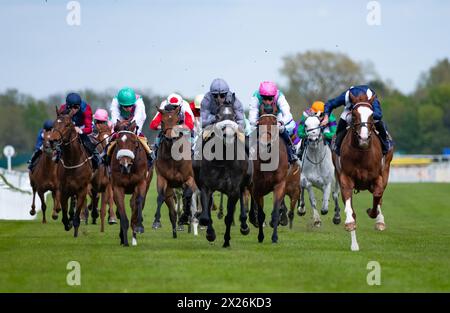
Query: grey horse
(318, 171)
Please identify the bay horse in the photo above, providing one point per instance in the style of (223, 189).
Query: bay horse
(101, 183)
(129, 175)
(318, 171)
(44, 178)
(361, 165)
(173, 167)
(224, 167)
(74, 170)
(270, 172)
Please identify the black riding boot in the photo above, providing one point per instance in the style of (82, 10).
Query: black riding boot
(96, 159)
(383, 135)
(34, 158)
(340, 134)
(302, 148)
(292, 157)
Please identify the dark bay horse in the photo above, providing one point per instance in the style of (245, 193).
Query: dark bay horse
(361, 165)
(270, 172)
(74, 169)
(129, 175)
(101, 183)
(173, 167)
(224, 167)
(44, 178)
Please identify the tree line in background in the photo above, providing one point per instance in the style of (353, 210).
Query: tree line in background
(419, 122)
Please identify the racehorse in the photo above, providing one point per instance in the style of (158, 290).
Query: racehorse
(129, 175)
(74, 169)
(318, 171)
(43, 178)
(361, 165)
(269, 177)
(174, 170)
(101, 183)
(224, 167)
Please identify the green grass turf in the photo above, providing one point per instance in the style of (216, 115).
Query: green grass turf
(414, 253)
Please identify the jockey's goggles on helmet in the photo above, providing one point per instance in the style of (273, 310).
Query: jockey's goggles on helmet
(267, 98)
(221, 95)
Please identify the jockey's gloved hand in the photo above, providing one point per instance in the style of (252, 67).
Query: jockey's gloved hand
(281, 127)
(78, 130)
(324, 121)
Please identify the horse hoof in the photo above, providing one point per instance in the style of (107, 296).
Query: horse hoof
(126, 244)
(54, 217)
(245, 231)
(174, 235)
(336, 220)
(300, 212)
(180, 228)
(94, 222)
(139, 229)
(32, 212)
(317, 224)
(370, 213)
(354, 247)
(156, 225)
(350, 226)
(271, 224)
(133, 242)
(220, 215)
(274, 241)
(324, 212)
(68, 227)
(380, 226)
(260, 240)
(226, 245)
(112, 221)
(283, 220)
(211, 236)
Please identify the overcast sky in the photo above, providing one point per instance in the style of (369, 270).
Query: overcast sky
(183, 45)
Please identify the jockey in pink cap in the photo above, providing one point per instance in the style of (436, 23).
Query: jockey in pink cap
(269, 100)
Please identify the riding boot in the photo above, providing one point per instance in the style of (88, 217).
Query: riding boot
(383, 135)
(34, 158)
(340, 134)
(92, 150)
(292, 157)
(302, 148)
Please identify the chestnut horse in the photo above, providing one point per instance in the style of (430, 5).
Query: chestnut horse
(74, 170)
(43, 178)
(129, 175)
(173, 171)
(269, 175)
(361, 165)
(101, 184)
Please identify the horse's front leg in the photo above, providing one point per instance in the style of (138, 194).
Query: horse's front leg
(161, 185)
(312, 199)
(81, 202)
(301, 208)
(65, 219)
(375, 212)
(337, 209)
(33, 206)
(231, 205)
(43, 206)
(56, 205)
(259, 202)
(205, 216)
(245, 230)
(326, 197)
(94, 206)
(350, 216)
(119, 199)
(278, 195)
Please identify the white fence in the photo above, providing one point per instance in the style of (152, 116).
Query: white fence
(435, 169)
(15, 196)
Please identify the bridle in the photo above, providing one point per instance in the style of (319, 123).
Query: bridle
(356, 126)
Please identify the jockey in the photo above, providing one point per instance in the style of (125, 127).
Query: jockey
(82, 119)
(195, 108)
(48, 125)
(328, 130)
(186, 120)
(219, 93)
(344, 100)
(100, 117)
(127, 105)
(268, 99)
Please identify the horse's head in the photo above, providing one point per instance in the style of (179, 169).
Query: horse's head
(63, 131)
(362, 123)
(267, 126)
(170, 117)
(104, 133)
(313, 129)
(225, 122)
(127, 125)
(127, 144)
(47, 147)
